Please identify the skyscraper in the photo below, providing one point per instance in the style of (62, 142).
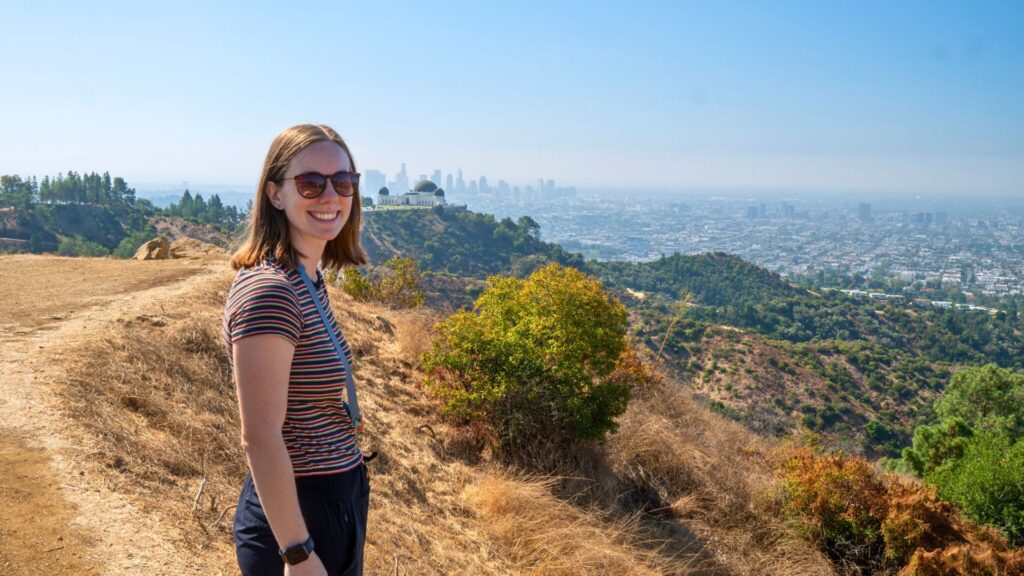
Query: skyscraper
(401, 183)
(372, 182)
(864, 212)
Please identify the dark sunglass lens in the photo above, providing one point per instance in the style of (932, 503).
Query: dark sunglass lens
(310, 185)
(345, 183)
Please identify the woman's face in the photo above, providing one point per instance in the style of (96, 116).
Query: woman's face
(316, 221)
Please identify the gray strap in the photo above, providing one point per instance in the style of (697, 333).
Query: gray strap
(350, 383)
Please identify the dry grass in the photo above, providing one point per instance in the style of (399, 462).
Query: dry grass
(156, 395)
(157, 401)
(715, 478)
(545, 535)
(414, 329)
(678, 490)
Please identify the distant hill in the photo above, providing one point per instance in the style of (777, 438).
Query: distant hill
(714, 279)
(461, 242)
(772, 355)
(43, 226)
(90, 214)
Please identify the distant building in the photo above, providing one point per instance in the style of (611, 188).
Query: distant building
(864, 212)
(373, 180)
(424, 193)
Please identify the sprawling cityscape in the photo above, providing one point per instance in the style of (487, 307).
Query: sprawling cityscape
(975, 245)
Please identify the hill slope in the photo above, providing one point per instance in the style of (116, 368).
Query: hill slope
(119, 415)
(126, 399)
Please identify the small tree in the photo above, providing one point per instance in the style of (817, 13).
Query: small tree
(974, 454)
(398, 288)
(987, 398)
(987, 481)
(355, 284)
(78, 246)
(533, 361)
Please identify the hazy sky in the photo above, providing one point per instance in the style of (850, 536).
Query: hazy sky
(902, 96)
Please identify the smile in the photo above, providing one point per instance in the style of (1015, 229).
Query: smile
(325, 216)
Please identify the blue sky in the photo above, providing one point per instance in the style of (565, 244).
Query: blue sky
(882, 96)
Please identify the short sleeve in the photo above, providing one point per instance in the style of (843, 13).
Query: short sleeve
(264, 302)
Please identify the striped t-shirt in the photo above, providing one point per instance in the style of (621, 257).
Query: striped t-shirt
(317, 430)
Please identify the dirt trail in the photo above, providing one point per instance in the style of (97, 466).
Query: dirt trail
(55, 518)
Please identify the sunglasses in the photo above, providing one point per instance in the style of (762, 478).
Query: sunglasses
(312, 184)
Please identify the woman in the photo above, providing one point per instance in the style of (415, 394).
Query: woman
(302, 510)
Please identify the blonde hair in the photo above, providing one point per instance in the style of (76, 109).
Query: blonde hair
(266, 235)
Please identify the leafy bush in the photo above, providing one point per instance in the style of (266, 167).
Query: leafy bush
(877, 523)
(130, 243)
(398, 288)
(355, 284)
(838, 503)
(78, 246)
(974, 455)
(534, 361)
(987, 481)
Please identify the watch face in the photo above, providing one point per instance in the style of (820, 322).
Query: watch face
(298, 552)
(296, 555)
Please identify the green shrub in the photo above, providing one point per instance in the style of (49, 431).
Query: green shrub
(355, 284)
(78, 246)
(533, 361)
(987, 481)
(399, 287)
(974, 454)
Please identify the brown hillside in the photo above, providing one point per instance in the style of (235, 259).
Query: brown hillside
(123, 396)
(118, 414)
(775, 387)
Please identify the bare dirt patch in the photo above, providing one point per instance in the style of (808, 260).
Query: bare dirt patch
(47, 492)
(36, 536)
(41, 290)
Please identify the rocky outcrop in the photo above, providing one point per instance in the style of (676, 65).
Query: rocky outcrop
(156, 249)
(196, 249)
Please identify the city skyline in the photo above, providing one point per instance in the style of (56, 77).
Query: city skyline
(919, 97)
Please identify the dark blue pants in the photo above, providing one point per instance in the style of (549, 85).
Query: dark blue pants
(334, 507)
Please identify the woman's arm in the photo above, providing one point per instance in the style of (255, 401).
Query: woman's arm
(262, 369)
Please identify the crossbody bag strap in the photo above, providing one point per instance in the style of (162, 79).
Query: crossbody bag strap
(350, 383)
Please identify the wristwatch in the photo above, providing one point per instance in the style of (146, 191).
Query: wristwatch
(297, 552)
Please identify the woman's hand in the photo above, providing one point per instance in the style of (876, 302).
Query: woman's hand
(312, 566)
